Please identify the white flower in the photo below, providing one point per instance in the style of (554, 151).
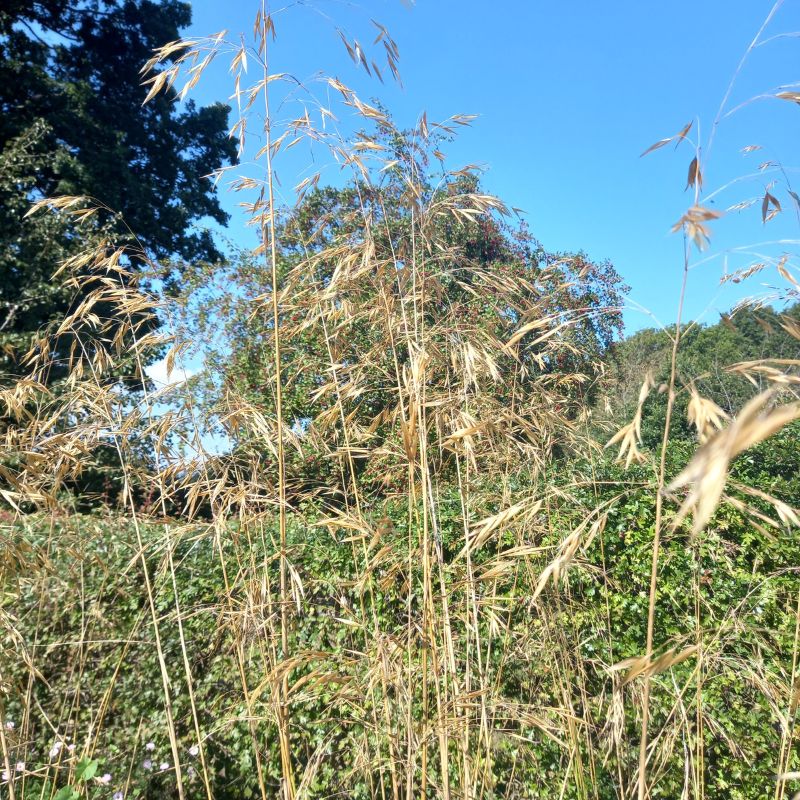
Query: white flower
(150, 746)
(194, 750)
(163, 766)
(71, 748)
(147, 764)
(20, 766)
(192, 773)
(55, 750)
(5, 776)
(10, 725)
(118, 796)
(105, 779)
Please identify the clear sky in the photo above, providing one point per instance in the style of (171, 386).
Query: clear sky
(568, 95)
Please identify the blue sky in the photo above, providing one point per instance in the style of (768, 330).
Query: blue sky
(568, 95)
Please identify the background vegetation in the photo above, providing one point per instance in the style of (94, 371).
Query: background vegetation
(465, 539)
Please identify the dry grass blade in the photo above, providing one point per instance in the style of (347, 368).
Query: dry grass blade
(647, 667)
(706, 416)
(483, 530)
(630, 436)
(580, 537)
(707, 472)
(678, 137)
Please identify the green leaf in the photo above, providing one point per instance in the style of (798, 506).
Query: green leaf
(86, 769)
(66, 793)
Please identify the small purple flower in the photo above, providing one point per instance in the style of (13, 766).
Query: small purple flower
(147, 764)
(164, 766)
(71, 748)
(194, 750)
(150, 746)
(20, 766)
(118, 796)
(10, 725)
(6, 776)
(55, 750)
(192, 773)
(105, 779)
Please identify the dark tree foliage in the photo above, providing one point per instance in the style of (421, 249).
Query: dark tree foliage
(76, 66)
(72, 123)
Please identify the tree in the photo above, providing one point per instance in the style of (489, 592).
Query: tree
(72, 123)
(407, 282)
(704, 361)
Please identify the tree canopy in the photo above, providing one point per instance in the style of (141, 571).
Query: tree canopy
(358, 321)
(73, 123)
